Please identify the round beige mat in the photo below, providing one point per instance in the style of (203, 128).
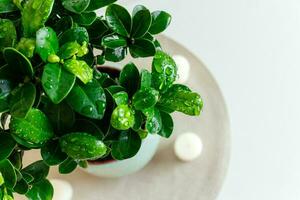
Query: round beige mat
(166, 178)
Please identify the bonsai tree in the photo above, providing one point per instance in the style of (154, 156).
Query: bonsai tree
(55, 96)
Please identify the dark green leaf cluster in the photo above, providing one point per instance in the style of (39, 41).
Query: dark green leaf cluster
(56, 95)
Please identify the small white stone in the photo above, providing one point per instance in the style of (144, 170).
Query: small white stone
(62, 190)
(183, 66)
(188, 146)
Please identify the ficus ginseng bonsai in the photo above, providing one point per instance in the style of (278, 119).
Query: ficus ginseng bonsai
(60, 102)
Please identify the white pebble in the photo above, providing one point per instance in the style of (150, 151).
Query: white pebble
(188, 146)
(183, 68)
(62, 189)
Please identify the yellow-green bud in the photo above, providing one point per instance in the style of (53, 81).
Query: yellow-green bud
(53, 58)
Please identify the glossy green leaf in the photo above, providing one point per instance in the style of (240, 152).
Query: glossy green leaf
(61, 116)
(160, 22)
(22, 100)
(38, 170)
(27, 47)
(130, 78)
(145, 98)
(7, 6)
(77, 6)
(115, 55)
(142, 48)
(118, 19)
(35, 129)
(182, 100)
(164, 71)
(145, 79)
(69, 49)
(21, 187)
(16, 159)
(79, 34)
(27, 177)
(80, 69)
(96, 4)
(57, 82)
(18, 62)
(46, 43)
(7, 145)
(42, 190)
(97, 29)
(8, 173)
(34, 15)
(167, 125)
(114, 41)
(8, 35)
(141, 21)
(68, 166)
(6, 87)
(63, 24)
(138, 120)
(154, 121)
(88, 100)
(121, 98)
(52, 154)
(127, 146)
(82, 146)
(122, 117)
(87, 125)
(85, 19)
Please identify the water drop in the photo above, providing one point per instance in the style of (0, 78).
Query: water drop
(87, 109)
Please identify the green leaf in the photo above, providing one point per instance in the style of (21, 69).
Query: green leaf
(32, 131)
(38, 170)
(88, 100)
(114, 41)
(8, 173)
(130, 78)
(77, 34)
(82, 146)
(27, 47)
(34, 15)
(138, 120)
(127, 146)
(57, 82)
(46, 43)
(145, 98)
(97, 29)
(68, 166)
(16, 159)
(154, 121)
(115, 55)
(21, 187)
(69, 49)
(42, 190)
(141, 21)
(167, 125)
(52, 153)
(61, 116)
(164, 71)
(145, 79)
(85, 19)
(8, 34)
(121, 98)
(142, 48)
(63, 24)
(118, 19)
(87, 125)
(17, 62)
(122, 117)
(96, 4)
(22, 100)
(180, 99)
(7, 145)
(6, 87)
(80, 69)
(27, 177)
(7, 6)
(77, 6)
(160, 22)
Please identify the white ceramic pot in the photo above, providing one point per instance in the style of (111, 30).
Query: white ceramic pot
(114, 169)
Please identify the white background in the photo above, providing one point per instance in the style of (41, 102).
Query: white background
(252, 47)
